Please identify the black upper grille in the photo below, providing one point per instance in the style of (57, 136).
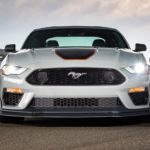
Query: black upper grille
(75, 76)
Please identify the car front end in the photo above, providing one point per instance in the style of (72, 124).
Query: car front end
(74, 82)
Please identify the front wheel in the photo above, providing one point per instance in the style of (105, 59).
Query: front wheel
(7, 119)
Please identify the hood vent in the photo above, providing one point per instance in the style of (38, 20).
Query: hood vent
(75, 53)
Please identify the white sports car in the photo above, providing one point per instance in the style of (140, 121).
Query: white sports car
(74, 72)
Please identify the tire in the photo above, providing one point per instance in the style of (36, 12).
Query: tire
(7, 119)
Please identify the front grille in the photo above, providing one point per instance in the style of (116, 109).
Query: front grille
(75, 76)
(75, 103)
(140, 98)
(11, 99)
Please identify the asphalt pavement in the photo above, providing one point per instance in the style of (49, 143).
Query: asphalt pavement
(76, 134)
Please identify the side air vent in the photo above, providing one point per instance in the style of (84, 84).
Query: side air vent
(11, 99)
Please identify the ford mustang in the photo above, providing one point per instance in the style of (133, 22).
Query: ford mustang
(74, 72)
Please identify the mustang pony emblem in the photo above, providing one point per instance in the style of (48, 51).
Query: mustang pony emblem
(76, 75)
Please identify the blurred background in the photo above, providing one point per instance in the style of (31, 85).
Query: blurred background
(19, 17)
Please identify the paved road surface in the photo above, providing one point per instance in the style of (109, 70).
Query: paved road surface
(77, 134)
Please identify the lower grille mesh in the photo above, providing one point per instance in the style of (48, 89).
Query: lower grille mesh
(11, 98)
(140, 98)
(75, 102)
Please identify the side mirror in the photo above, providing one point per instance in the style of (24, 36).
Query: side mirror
(10, 48)
(140, 47)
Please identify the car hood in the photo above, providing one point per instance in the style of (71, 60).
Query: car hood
(101, 57)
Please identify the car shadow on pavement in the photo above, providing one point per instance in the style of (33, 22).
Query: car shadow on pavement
(94, 122)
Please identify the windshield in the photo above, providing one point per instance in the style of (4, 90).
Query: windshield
(73, 41)
(75, 38)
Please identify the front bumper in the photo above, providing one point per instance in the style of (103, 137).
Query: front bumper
(73, 114)
(119, 91)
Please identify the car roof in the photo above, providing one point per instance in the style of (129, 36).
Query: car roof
(76, 27)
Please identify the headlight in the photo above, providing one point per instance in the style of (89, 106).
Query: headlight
(138, 68)
(8, 70)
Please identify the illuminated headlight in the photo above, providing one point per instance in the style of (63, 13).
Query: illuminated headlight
(138, 68)
(12, 70)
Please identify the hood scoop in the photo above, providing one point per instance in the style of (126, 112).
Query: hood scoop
(75, 53)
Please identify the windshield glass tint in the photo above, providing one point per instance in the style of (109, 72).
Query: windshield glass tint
(75, 38)
(73, 41)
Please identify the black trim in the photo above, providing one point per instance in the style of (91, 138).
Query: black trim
(79, 114)
(75, 104)
(60, 77)
(11, 99)
(75, 27)
(140, 98)
(73, 53)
